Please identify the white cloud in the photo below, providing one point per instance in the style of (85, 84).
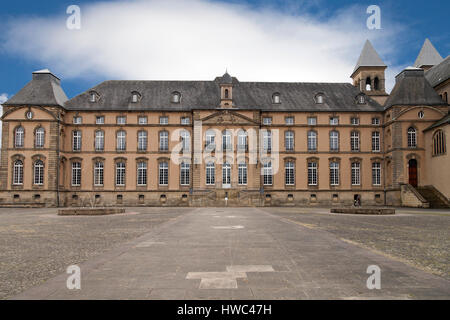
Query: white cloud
(198, 39)
(3, 98)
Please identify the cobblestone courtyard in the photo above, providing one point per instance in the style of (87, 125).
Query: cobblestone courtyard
(224, 253)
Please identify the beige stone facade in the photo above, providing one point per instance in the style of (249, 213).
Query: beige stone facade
(321, 155)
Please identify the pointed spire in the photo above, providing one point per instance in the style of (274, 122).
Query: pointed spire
(428, 55)
(369, 57)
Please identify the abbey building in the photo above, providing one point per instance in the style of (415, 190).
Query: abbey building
(227, 142)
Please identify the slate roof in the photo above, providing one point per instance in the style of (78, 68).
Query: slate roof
(156, 95)
(428, 55)
(444, 120)
(411, 88)
(439, 73)
(43, 90)
(368, 58)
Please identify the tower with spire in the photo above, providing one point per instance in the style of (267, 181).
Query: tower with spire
(369, 73)
(428, 56)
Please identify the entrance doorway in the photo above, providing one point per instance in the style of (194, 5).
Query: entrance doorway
(226, 175)
(412, 172)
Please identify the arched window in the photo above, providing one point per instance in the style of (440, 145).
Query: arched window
(289, 140)
(185, 140)
(38, 173)
(376, 84)
(19, 137)
(142, 173)
(319, 98)
(99, 140)
(164, 141)
(290, 173)
(142, 140)
(135, 97)
(368, 84)
(18, 172)
(176, 97)
(210, 139)
(356, 173)
(267, 173)
(276, 98)
(210, 173)
(242, 173)
(121, 140)
(412, 137)
(439, 146)
(120, 173)
(312, 141)
(184, 174)
(354, 141)
(226, 140)
(39, 138)
(334, 140)
(242, 140)
(98, 173)
(163, 173)
(226, 94)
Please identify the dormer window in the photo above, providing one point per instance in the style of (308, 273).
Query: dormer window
(276, 98)
(319, 98)
(93, 96)
(135, 97)
(176, 97)
(361, 99)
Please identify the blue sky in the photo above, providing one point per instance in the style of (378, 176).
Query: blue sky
(268, 40)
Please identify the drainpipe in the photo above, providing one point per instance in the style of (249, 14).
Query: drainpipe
(57, 164)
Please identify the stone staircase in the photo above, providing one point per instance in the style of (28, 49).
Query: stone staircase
(433, 197)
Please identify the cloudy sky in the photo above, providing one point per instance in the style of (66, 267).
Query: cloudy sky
(267, 40)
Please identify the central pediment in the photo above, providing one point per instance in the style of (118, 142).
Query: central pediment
(228, 117)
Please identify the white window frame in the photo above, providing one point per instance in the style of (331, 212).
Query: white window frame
(185, 174)
(312, 173)
(210, 174)
(76, 174)
(376, 173)
(99, 177)
(376, 146)
(18, 173)
(121, 140)
(120, 173)
(356, 173)
(334, 173)
(289, 171)
(242, 174)
(163, 173)
(141, 173)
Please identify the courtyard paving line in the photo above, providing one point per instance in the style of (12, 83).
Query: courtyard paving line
(307, 263)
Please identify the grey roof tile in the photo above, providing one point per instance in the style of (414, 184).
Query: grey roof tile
(369, 57)
(444, 120)
(411, 88)
(156, 95)
(439, 73)
(428, 55)
(43, 89)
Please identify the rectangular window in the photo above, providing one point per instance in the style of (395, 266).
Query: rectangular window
(267, 174)
(142, 140)
(354, 121)
(375, 141)
(376, 173)
(312, 121)
(77, 120)
(210, 174)
(267, 140)
(289, 121)
(163, 120)
(100, 120)
(163, 141)
(121, 141)
(289, 173)
(38, 173)
(185, 120)
(142, 173)
(98, 174)
(267, 121)
(354, 141)
(334, 121)
(99, 140)
(120, 174)
(184, 174)
(375, 121)
(121, 120)
(312, 141)
(356, 174)
(76, 174)
(289, 140)
(334, 173)
(242, 174)
(18, 173)
(142, 120)
(312, 173)
(163, 174)
(334, 141)
(76, 141)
